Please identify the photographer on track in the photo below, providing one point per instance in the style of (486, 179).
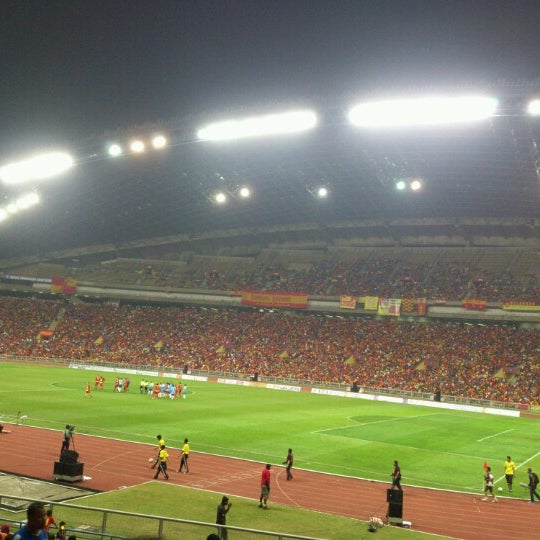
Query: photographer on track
(68, 437)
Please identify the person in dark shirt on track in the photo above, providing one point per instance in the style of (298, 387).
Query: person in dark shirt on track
(396, 476)
(289, 460)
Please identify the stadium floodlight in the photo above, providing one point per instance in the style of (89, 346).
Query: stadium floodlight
(26, 201)
(416, 185)
(220, 197)
(401, 185)
(159, 142)
(137, 146)
(423, 111)
(12, 208)
(115, 150)
(408, 184)
(257, 126)
(36, 168)
(244, 192)
(534, 107)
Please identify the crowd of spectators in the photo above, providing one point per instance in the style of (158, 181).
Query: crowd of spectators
(376, 274)
(393, 278)
(500, 363)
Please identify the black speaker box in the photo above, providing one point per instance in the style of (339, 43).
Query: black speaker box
(73, 469)
(394, 496)
(68, 472)
(68, 469)
(395, 510)
(69, 456)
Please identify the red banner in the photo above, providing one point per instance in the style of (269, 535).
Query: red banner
(274, 299)
(471, 303)
(63, 285)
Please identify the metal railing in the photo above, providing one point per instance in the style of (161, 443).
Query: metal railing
(90, 523)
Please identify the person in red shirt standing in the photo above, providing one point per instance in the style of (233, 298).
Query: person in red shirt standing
(265, 487)
(50, 521)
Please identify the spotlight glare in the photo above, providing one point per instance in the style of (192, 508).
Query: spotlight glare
(416, 185)
(322, 192)
(36, 168)
(12, 208)
(401, 185)
(3, 214)
(220, 198)
(159, 142)
(422, 112)
(115, 150)
(534, 107)
(137, 147)
(33, 198)
(244, 192)
(23, 203)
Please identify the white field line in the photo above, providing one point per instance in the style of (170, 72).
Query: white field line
(494, 435)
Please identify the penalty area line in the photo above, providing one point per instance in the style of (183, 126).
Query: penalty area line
(494, 435)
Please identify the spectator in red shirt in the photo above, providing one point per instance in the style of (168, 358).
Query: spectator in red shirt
(50, 521)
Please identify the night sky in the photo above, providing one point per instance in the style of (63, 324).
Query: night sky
(74, 69)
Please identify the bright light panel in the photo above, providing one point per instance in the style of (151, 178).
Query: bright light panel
(422, 112)
(534, 107)
(36, 168)
(257, 126)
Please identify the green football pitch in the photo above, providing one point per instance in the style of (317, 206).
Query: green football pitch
(354, 437)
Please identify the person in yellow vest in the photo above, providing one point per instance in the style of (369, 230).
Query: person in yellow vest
(161, 442)
(184, 457)
(509, 472)
(162, 466)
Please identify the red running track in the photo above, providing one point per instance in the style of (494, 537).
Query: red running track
(32, 452)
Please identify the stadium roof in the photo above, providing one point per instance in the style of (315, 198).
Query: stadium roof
(173, 67)
(489, 169)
